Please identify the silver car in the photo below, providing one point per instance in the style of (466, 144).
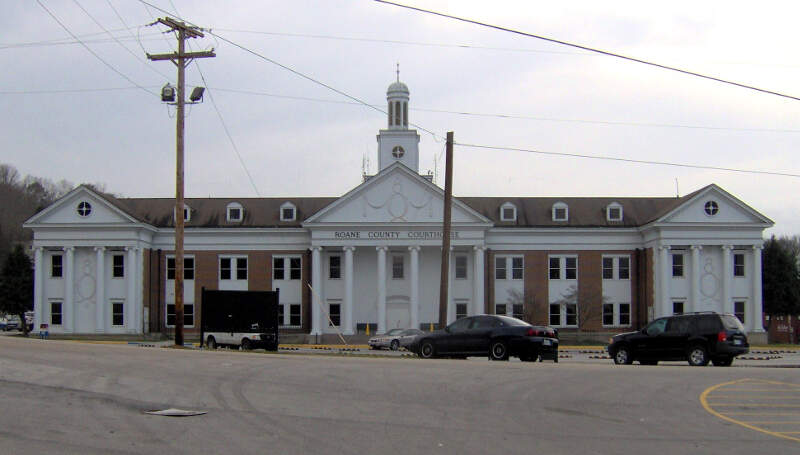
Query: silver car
(394, 339)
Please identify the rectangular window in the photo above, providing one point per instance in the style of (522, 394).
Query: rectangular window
(624, 314)
(234, 214)
(624, 268)
(461, 310)
(294, 314)
(277, 269)
(335, 312)
(560, 214)
(555, 314)
(571, 268)
(500, 268)
(608, 268)
(677, 307)
(608, 314)
(55, 313)
(287, 214)
(397, 267)
(738, 264)
(335, 267)
(188, 268)
(295, 270)
(500, 308)
(555, 268)
(677, 265)
(508, 214)
(188, 315)
(241, 268)
(516, 268)
(518, 311)
(572, 313)
(461, 267)
(280, 315)
(57, 266)
(117, 313)
(118, 266)
(225, 268)
(738, 310)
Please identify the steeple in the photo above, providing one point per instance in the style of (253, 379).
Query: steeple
(397, 142)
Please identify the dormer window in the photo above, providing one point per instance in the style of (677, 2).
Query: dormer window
(235, 212)
(614, 212)
(560, 212)
(508, 212)
(288, 212)
(187, 213)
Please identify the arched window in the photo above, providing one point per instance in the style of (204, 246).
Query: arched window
(288, 212)
(560, 212)
(235, 212)
(397, 113)
(405, 114)
(508, 212)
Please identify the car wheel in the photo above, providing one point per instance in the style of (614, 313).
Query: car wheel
(623, 356)
(395, 345)
(246, 345)
(427, 350)
(498, 350)
(211, 343)
(698, 357)
(722, 362)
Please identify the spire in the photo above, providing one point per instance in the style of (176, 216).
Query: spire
(398, 71)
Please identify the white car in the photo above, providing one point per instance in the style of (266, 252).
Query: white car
(394, 339)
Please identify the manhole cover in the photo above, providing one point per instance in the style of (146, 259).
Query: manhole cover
(172, 412)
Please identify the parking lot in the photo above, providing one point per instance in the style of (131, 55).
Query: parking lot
(70, 397)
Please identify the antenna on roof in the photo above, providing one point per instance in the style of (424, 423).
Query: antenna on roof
(677, 191)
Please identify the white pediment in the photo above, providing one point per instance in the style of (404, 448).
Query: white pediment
(81, 206)
(396, 195)
(714, 205)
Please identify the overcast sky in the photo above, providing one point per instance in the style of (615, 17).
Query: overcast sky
(67, 115)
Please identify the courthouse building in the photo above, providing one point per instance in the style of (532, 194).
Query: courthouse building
(372, 256)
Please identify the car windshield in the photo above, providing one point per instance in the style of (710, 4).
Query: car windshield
(731, 322)
(512, 321)
(411, 332)
(394, 332)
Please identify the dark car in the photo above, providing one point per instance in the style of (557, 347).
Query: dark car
(694, 337)
(499, 337)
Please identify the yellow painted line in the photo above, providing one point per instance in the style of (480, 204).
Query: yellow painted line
(765, 405)
(762, 390)
(710, 410)
(789, 432)
(768, 397)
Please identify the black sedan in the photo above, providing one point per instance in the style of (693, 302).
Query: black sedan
(499, 337)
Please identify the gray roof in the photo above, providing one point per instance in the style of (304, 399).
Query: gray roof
(531, 211)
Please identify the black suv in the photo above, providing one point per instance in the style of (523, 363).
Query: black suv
(695, 337)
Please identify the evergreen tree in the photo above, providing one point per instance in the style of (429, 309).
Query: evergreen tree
(16, 285)
(781, 279)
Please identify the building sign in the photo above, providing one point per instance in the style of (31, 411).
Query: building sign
(392, 235)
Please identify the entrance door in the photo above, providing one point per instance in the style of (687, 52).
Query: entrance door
(398, 315)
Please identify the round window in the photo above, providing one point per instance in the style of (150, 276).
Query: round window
(711, 208)
(398, 152)
(84, 209)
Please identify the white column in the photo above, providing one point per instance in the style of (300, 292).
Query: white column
(666, 281)
(727, 276)
(139, 290)
(316, 284)
(381, 289)
(755, 323)
(69, 290)
(100, 290)
(38, 280)
(348, 290)
(130, 279)
(414, 297)
(694, 305)
(477, 281)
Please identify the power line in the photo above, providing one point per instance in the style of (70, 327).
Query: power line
(590, 49)
(295, 72)
(92, 52)
(139, 59)
(628, 160)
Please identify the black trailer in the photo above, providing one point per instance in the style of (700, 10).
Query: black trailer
(239, 318)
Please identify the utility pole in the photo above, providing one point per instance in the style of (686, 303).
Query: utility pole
(448, 197)
(181, 59)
